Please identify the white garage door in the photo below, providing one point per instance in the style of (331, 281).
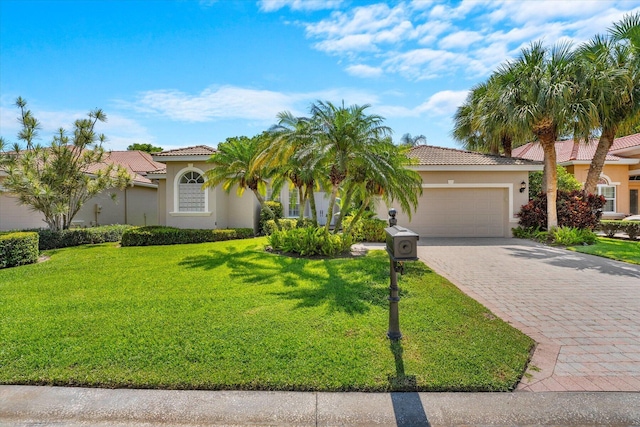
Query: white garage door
(461, 212)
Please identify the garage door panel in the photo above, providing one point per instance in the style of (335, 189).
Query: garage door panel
(460, 212)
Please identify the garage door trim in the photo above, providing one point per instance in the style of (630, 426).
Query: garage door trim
(508, 186)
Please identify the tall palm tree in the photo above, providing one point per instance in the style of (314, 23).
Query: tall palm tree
(483, 124)
(234, 164)
(391, 181)
(610, 81)
(541, 92)
(290, 149)
(345, 134)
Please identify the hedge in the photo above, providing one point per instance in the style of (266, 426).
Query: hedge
(161, 235)
(611, 227)
(18, 248)
(80, 236)
(575, 210)
(276, 208)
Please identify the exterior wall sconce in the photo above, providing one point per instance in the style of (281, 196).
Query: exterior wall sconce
(523, 186)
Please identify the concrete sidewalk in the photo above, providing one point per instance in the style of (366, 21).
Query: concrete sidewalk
(65, 406)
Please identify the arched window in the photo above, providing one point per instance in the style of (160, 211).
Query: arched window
(191, 196)
(606, 189)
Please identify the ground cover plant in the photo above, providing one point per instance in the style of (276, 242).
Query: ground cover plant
(228, 315)
(621, 250)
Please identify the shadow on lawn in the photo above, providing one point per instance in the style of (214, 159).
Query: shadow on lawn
(407, 407)
(344, 284)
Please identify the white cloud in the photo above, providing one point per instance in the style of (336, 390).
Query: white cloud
(471, 37)
(361, 70)
(443, 103)
(231, 102)
(298, 5)
(460, 39)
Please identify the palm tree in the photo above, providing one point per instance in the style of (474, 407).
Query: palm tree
(391, 180)
(610, 80)
(345, 134)
(541, 93)
(234, 164)
(412, 141)
(291, 150)
(482, 123)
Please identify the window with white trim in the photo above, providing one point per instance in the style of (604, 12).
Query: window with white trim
(294, 203)
(609, 193)
(191, 197)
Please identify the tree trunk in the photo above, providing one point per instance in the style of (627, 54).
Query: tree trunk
(345, 205)
(507, 145)
(597, 163)
(303, 202)
(266, 207)
(550, 178)
(358, 215)
(332, 204)
(312, 204)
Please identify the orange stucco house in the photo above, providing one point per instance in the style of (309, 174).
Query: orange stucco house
(620, 179)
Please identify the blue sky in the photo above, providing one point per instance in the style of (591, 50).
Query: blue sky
(188, 72)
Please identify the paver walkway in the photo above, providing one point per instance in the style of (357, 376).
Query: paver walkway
(582, 310)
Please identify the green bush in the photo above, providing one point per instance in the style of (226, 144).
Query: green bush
(632, 229)
(276, 207)
(566, 182)
(286, 224)
(18, 248)
(161, 235)
(611, 227)
(80, 236)
(366, 230)
(565, 236)
(310, 241)
(533, 233)
(571, 236)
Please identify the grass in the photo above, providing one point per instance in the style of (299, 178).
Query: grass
(229, 315)
(621, 250)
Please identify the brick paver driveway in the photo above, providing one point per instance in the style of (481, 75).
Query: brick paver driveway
(582, 310)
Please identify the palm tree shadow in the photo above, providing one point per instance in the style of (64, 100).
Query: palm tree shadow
(336, 285)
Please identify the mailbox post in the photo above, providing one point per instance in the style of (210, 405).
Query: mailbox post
(401, 246)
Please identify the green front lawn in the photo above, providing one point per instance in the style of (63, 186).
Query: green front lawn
(228, 315)
(621, 250)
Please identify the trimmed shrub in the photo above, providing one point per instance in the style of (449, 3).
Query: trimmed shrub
(310, 241)
(18, 248)
(161, 235)
(611, 227)
(276, 207)
(366, 230)
(80, 236)
(575, 210)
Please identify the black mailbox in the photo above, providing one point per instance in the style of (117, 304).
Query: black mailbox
(402, 244)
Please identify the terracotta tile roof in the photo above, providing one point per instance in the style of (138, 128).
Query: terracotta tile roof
(626, 142)
(138, 161)
(567, 151)
(137, 164)
(198, 150)
(428, 155)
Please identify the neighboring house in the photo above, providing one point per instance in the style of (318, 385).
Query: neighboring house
(465, 194)
(135, 205)
(620, 178)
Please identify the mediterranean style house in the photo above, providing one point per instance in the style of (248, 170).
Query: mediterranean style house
(620, 179)
(135, 205)
(465, 194)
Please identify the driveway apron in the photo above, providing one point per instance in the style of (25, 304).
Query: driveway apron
(583, 311)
